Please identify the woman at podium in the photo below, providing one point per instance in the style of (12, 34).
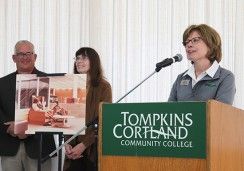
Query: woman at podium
(81, 154)
(205, 79)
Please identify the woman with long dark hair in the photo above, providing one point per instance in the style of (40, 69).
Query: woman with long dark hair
(81, 154)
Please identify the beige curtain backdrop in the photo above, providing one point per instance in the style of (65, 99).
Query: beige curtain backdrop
(131, 36)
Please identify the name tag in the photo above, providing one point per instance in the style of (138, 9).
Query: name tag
(184, 82)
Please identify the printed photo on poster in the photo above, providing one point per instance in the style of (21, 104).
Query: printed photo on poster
(50, 103)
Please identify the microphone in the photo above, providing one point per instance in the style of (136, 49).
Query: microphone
(168, 61)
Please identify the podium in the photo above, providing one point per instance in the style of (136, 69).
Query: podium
(217, 135)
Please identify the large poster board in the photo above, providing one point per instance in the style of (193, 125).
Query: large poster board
(50, 103)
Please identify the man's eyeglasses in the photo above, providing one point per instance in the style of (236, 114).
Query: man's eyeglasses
(27, 54)
(194, 41)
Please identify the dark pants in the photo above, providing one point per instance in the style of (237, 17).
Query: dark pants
(82, 164)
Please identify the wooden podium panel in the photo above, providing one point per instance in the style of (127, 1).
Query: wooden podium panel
(225, 147)
(225, 137)
(124, 163)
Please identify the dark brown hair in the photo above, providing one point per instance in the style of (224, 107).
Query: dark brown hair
(210, 37)
(95, 72)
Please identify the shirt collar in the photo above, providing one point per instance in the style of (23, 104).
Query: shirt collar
(190, 72)
(210, 71)
(213, 69)
(32, 72)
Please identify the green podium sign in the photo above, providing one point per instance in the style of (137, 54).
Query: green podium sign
(175, 129)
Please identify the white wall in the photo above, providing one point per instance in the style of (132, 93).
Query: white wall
(131, 36)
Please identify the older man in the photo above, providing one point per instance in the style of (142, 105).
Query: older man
(19, 151)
